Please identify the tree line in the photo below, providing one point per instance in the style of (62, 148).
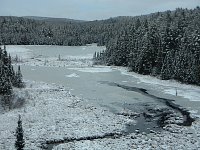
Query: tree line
(166, 45)
(23, 31)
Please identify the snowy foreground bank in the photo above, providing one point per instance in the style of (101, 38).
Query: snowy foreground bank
(52, 114)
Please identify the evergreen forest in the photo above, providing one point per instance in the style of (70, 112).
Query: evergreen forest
(162, 44)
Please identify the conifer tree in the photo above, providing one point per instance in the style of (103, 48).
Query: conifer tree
(5, 84)
(18, 79)
(20, 142)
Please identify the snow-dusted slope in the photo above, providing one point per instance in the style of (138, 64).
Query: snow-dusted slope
(51, 113)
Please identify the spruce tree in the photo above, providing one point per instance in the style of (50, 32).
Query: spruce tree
(20, 142)
(5, 84)
(18, 79)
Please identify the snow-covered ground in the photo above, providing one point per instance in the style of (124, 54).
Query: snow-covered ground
(54, 62)
(152, 141)
(52, 113)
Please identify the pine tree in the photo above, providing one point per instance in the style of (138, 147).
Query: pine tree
(18, 79)
(20, 142)
(5, 83)
(137, 24)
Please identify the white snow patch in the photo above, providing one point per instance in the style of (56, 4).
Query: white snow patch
(73, 75)
(193, 111)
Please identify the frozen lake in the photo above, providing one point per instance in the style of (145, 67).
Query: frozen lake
(84, 82)
(90, 82)
(89, 85)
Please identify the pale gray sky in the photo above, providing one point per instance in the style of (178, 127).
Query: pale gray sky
(89, 9)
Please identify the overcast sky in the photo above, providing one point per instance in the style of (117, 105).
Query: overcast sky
(89, 9)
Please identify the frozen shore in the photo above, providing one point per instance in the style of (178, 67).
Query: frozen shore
(191, 92)
(26, 56)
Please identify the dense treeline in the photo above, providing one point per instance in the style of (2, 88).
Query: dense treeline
(163, 44)
(166, 45)
(8, 77)
(23, 31)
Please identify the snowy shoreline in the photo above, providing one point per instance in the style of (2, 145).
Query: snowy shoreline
(191, 92)
(27, 57)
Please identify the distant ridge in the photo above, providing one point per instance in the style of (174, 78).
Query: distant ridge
(51, 19)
